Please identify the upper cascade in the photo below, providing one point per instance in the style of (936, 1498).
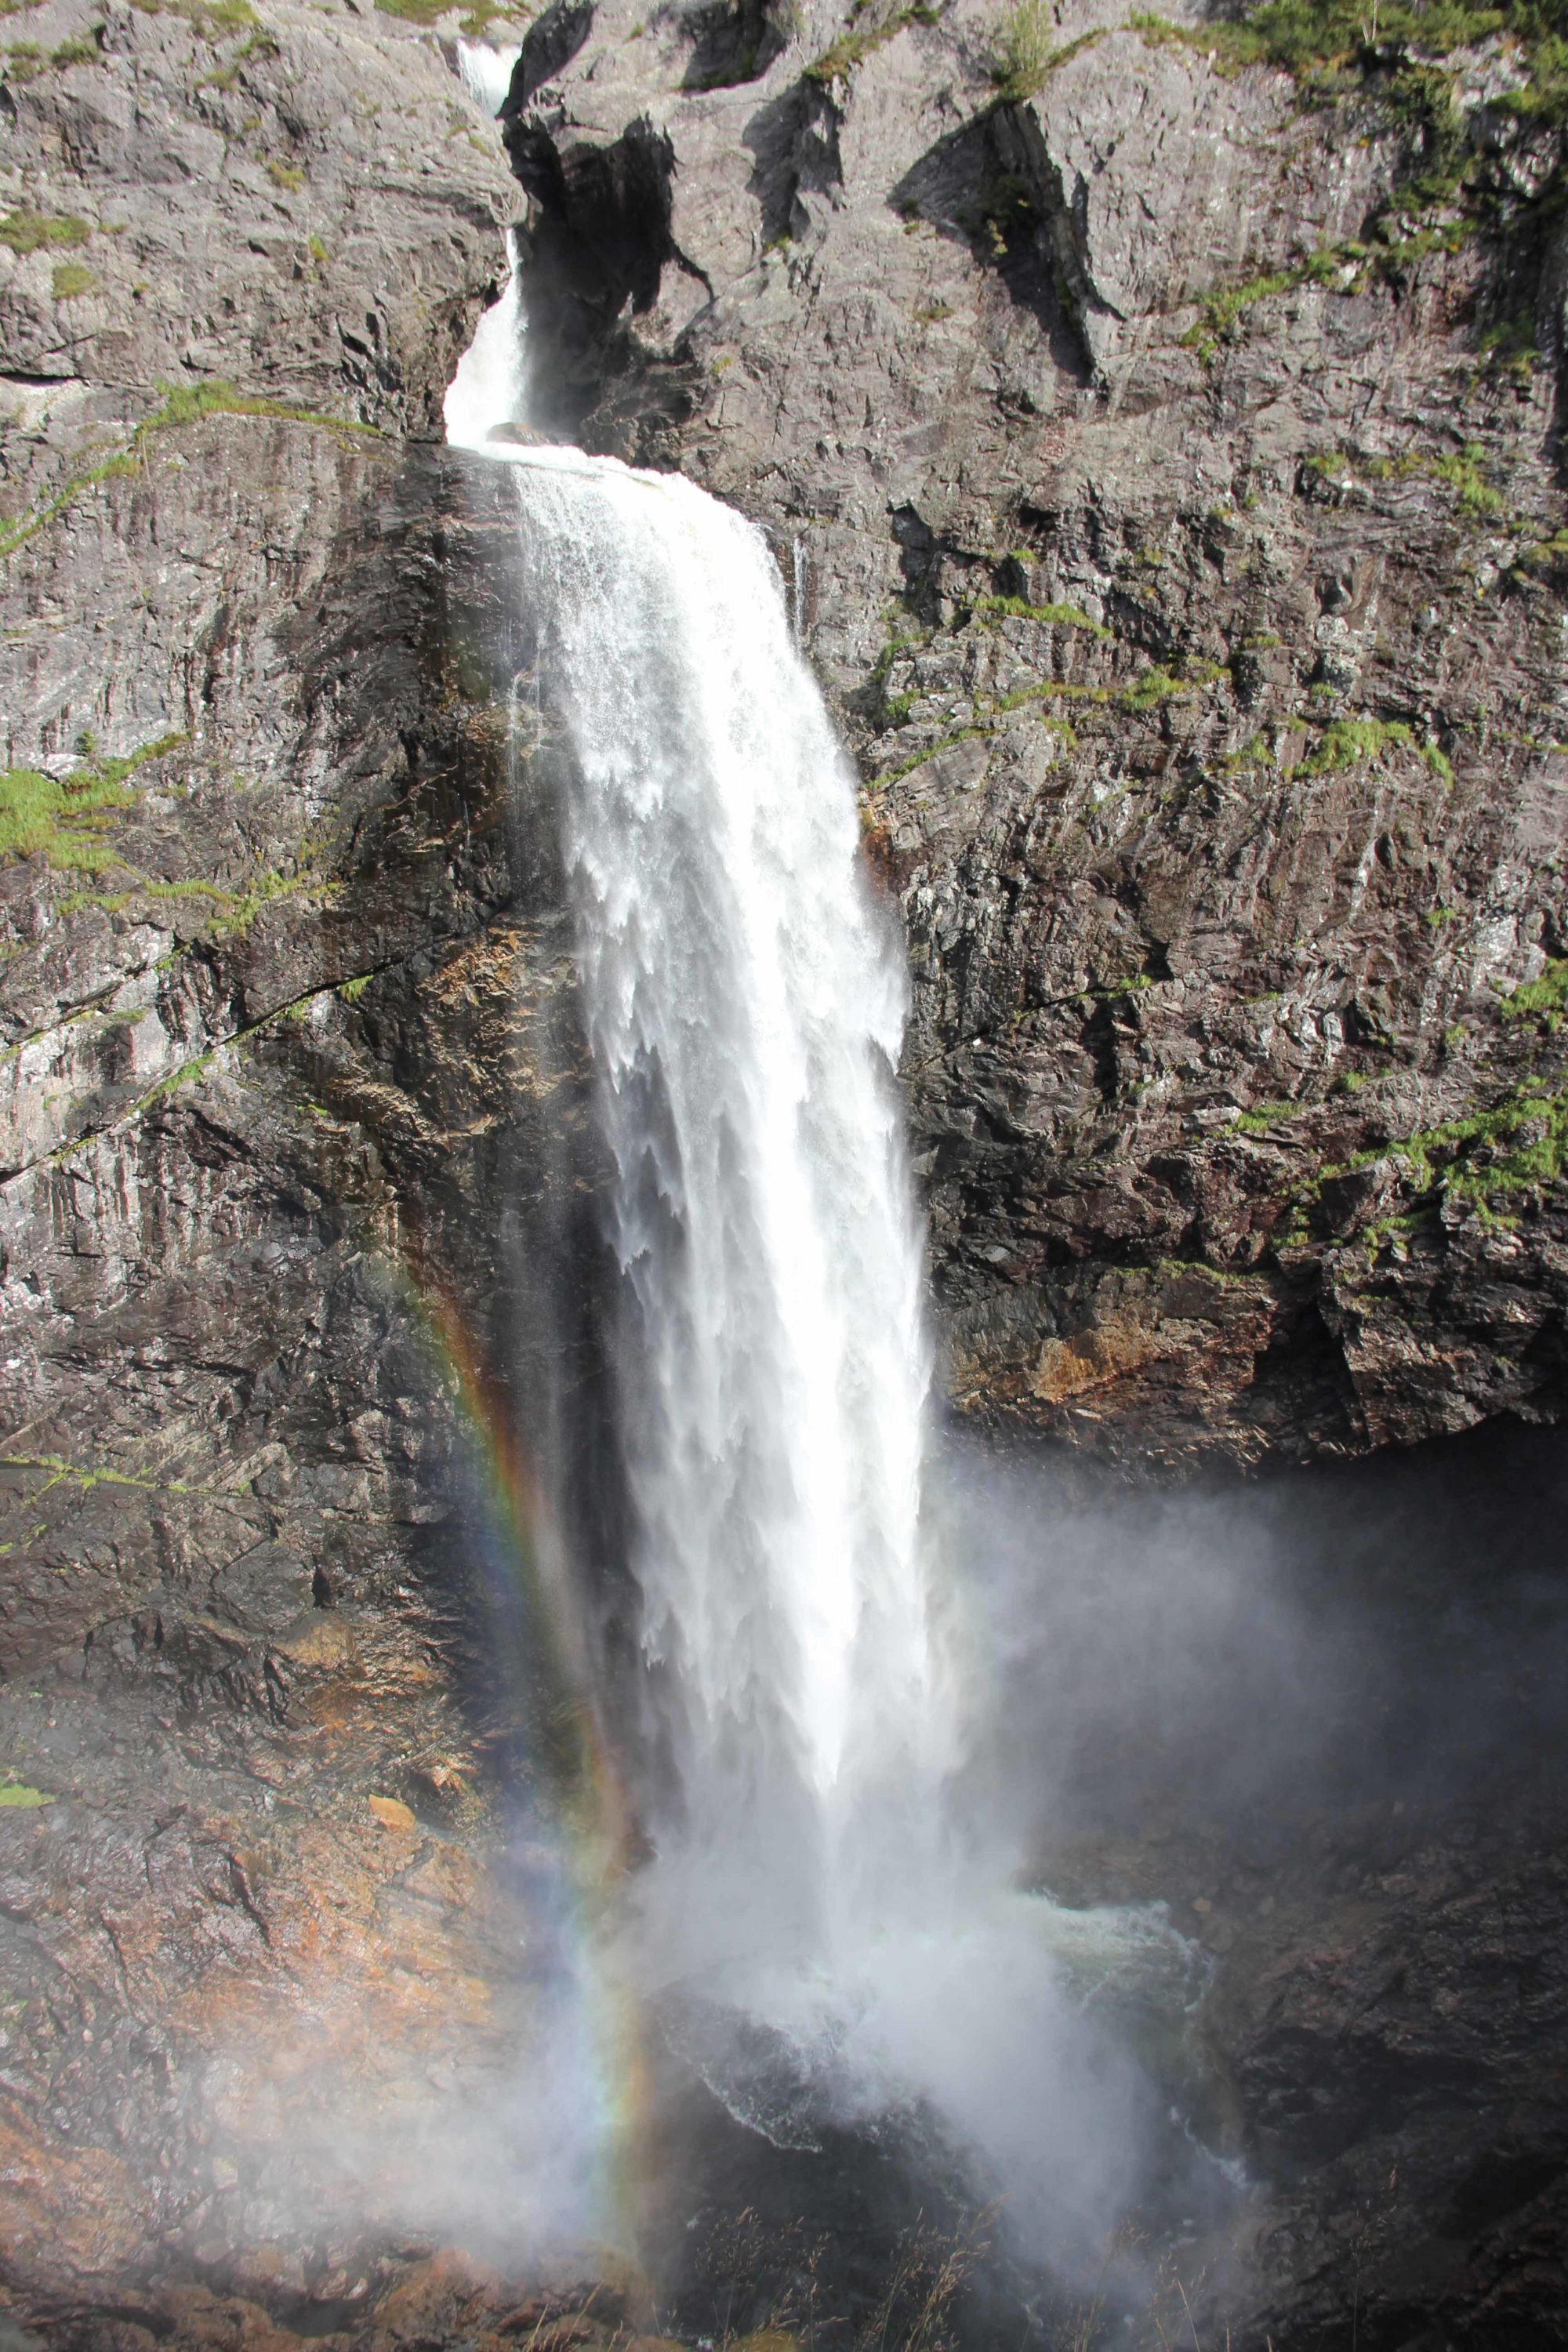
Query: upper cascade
(487, 73)
(486, 398)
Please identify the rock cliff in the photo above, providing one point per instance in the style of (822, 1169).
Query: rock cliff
(1166, 452)
(1160, 444)
(281, 982)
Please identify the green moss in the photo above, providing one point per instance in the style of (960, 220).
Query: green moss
(1345, 268)
(1460, 468)
(70, 279)
(19, 1794)
(866, 34)
(919, 758)
(1544, 1000)
(113, 903)
(1519, 1146)
(1314, 38)
(183, 404)
(1060, 616)
(212, 19)
(26, 231)
(1263, 1116)
(241, 909)
(25, 60)
(1254, 753)
(1221, 312)
(1502, 1155)
(287, 176)
(1509, 349)
(1346, 743)
(1396, 60)
(260, 46)
(187, 1071)
(60, 819)
(1159, 684)
(1050, 689)
(480, 22)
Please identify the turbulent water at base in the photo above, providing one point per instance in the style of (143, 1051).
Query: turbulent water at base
(825, 1942)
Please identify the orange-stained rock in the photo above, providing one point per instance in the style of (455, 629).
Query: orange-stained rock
(74, 2213)
(391, 1813)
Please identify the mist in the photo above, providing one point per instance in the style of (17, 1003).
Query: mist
(1238, 1656)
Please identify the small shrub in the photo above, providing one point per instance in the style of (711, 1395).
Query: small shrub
(1024, 51)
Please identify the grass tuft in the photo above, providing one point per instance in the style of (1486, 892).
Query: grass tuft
(60, 818)
(1346, 743)
(1544, 1000)
(1028, 53)
(26, 231)
(866, 33)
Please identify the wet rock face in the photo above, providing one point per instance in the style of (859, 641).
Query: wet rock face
(286, 1006)
(1183, 579)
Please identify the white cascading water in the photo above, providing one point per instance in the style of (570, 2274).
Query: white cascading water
(823, 1938)
(486, 73)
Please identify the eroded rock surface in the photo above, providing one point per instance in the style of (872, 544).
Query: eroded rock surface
(1176, 531)
(1189, 584)
(287, 1001)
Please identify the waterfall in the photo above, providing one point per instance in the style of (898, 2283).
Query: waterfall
(824, 1937)
(745, 999)
(745, 1004)
(486, 73)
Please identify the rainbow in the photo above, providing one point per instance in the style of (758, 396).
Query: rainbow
(579, 1803)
